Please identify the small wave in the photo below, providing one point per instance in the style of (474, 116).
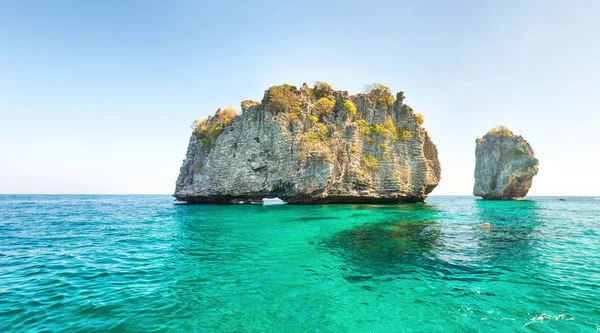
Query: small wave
(544, 318)
(273, 201)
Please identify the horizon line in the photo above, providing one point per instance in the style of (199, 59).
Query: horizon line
(431, 195)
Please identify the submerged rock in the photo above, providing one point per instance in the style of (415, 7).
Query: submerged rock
(386, 246)
(505, 165)
(311, 145)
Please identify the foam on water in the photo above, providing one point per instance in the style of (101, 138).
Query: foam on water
(272, 201)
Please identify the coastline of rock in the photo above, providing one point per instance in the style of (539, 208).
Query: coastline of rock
(310, 146)
(505, 165)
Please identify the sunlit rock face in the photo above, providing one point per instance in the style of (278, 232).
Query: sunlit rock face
(505, 166)
(311, 145)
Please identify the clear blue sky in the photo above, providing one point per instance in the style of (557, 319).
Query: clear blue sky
(98, 96)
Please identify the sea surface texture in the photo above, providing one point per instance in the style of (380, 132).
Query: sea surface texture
(145, 264)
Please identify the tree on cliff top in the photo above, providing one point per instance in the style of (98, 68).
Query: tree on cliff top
(382, 94)
(283, 98)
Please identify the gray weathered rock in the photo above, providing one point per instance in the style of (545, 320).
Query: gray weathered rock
(505, 166)
(380, 155)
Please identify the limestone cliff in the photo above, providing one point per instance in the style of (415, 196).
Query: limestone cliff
(505, 165)
(311, 145)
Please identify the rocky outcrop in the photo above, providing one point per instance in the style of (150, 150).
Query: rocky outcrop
(505, 165)
(311, 145)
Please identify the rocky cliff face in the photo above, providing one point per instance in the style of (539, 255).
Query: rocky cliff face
(311, 145)
(505, 165)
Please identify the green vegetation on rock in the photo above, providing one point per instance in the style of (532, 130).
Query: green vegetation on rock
(324, 105)
(323, 131)
(405, 135)
(208, 130)
(283, 98)
(387, 129)
(350, 108)
(500, 131)
(377, 129)
(321, 89)
(390, 130)
(369, 162)
(363, 127)
(313, 119)
(419, 119)
(311, 137)
(293, 116)
(382, 94)
(314, 144)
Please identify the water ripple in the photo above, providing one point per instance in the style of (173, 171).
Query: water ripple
(143, 264)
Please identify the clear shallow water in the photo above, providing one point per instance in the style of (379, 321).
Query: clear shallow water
(143, 264)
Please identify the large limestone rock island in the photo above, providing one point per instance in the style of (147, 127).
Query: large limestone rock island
(311, 145)
(505, 165)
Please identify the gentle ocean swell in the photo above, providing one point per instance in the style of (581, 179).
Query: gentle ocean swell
(144, 264)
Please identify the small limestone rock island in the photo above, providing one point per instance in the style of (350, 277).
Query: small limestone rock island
(309, 146)
(505, 165)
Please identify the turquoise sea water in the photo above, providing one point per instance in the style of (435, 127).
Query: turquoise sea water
(144, 264)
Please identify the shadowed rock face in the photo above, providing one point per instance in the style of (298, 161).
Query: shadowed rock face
(379, 155)
(505, 167)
